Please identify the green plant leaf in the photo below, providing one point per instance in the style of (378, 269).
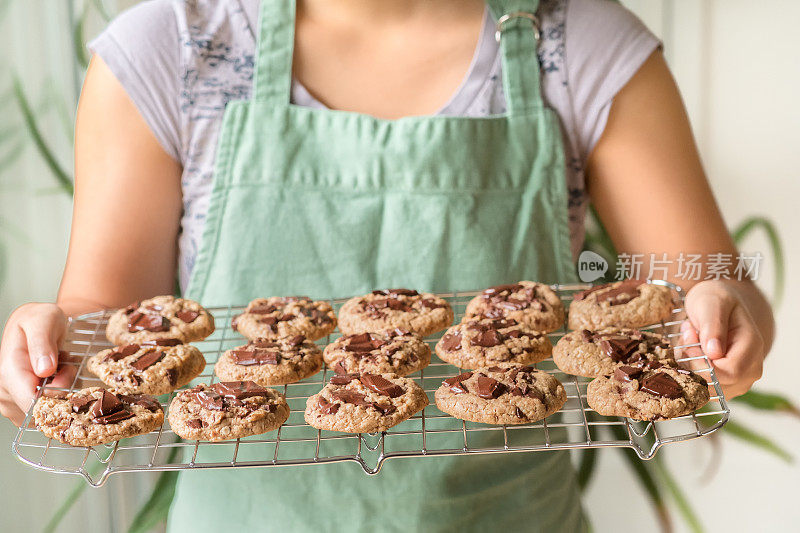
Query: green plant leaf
(750, 224)
(746, 434)
(71, 498)
(78, 41)
(12, 154)
(156, 508)
(62, 177)
(648, 482)
(681, 501)
(714, 458)
(767, 401)
(586, 467)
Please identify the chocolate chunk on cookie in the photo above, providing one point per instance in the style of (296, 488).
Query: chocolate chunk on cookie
(152, 367)
(364, 403)
(501, 394)
(420, 313)
(630, 303)
(271, 362)
(286, 316)
(93, 416)
(394, 351)
(648, 390)
(488, 341)
(597, 353)
(532, 304)
(226, 410)
(162, 317)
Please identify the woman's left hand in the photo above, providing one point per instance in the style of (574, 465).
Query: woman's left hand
(719, 320)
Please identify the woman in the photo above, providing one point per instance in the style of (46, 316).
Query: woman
(189, 133)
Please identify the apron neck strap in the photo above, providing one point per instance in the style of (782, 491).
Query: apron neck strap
(274, 51)
(518, 33)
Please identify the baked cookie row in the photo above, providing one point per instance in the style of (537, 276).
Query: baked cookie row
(635, 372)
(504, 329)
(636, 375)
(381, 343)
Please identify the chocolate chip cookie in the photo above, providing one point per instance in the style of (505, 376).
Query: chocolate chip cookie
(394, 351)
(533, 304)
(162, 317)
(485, 342)
(630, 303)
(648, 391)
(152, 367)
(420, 313)
(597, 353)
(364, 403)
(226, 410)
(502, 394)
(271, 362)
(286, 316)
(93, 416)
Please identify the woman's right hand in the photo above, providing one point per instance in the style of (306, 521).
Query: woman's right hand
(30, 351)
(134, 171)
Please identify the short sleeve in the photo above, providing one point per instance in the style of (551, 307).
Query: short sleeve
(142, 49)
(605, 45)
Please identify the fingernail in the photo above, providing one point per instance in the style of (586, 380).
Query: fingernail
(714, 347)
(43, 364)
(686, 334)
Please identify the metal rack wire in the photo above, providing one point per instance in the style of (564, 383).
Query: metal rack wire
(429, 433)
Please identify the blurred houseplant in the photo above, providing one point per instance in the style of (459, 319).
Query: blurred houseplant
(22, 132)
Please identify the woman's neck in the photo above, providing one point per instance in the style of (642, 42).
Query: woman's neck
(383, 12)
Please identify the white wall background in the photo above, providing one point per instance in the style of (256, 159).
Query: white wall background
(737, 65)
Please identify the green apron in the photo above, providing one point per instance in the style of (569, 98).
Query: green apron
(331, 204)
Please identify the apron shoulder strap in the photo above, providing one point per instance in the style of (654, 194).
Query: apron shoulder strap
(273, 69)
(518, 33)
(516, 29)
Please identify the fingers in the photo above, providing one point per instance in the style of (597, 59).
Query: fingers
(10, 410)
(17, 396)
(19, 381)
(43, 335)
(29, 351)
(709, 312)
(65, 376)
(743, 363)
(691, 356)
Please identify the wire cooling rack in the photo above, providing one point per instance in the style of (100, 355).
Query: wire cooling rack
(429, 433)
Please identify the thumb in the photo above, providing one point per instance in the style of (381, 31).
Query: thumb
(710, 314)
(43, 334)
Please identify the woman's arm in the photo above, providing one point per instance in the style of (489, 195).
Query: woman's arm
(647, 183)
(123, 243)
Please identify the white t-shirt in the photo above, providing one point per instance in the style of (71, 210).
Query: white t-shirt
(182, 61)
